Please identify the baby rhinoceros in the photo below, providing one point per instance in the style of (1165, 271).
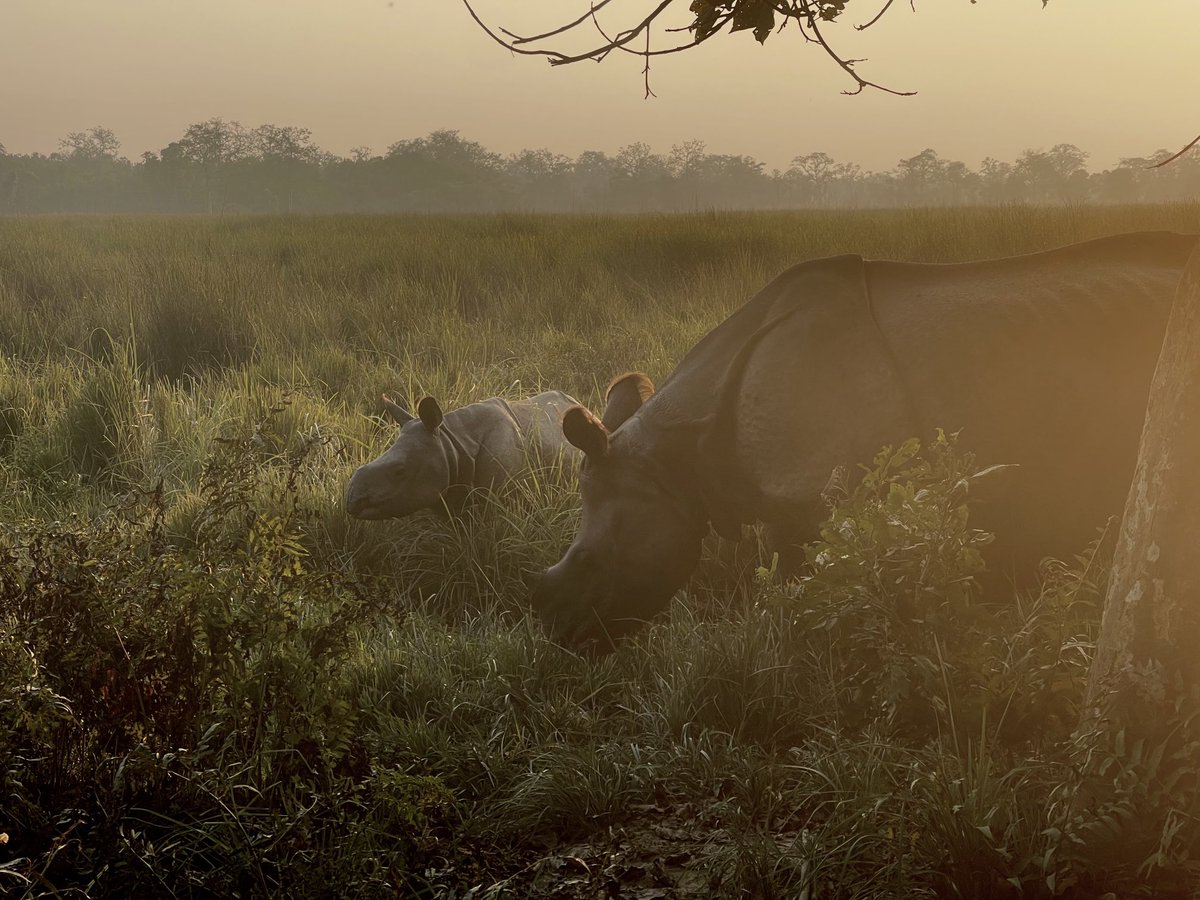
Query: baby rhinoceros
(438, 460)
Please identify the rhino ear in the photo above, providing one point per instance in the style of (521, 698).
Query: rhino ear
(585, 431)
(625, 396)
(430, 413)
(399, 414)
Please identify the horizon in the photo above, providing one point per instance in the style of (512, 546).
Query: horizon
(135, 156)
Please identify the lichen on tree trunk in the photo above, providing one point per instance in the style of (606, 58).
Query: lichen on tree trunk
(1137, 807)
(1148, 656)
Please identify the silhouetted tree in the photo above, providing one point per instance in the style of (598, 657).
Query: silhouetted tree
(1054, 175)
(91, 175)
(813, 177)
(641, 176)
(593, 175)
(287, 158)
(219, 165)
(443, 167)
(995, 181)
(542, 175)
(936, 180)
(96, 143)
(205, 156)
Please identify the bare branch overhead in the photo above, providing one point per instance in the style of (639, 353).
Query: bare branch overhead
(1175, 156)
(707, 18)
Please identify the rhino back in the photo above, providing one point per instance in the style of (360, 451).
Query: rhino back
(1041, 360)
(1001, 350)
(1045, 363)
(539, 419)
(484, 444)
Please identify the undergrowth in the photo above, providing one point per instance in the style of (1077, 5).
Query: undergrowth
(215, 683)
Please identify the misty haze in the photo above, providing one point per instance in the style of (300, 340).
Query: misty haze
(430, 472)
(220, 166)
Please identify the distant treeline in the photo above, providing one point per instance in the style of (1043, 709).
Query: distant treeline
(221, 167)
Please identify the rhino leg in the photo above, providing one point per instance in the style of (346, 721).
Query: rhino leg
(783, 542)
(786, 535)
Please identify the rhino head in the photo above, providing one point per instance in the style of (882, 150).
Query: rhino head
(411, 475)
(640, 533)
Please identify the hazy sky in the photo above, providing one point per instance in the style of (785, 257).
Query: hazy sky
(1117, 78)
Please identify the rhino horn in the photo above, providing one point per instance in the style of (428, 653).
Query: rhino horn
(430, 413)
(399, 414)
(585, 431)
(625, 396)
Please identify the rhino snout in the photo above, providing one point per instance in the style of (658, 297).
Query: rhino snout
(545, 593)
(550, 600)
(356, 502)
(360, 501)
(569, 600)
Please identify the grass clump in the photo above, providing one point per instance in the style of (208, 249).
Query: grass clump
(186, 334)
(105, 424)
(17, 404)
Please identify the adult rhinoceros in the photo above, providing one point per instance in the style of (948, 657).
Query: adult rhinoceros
(439, 459)
(1041, 360)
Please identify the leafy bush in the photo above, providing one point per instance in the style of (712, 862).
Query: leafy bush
(1130, 815)
(129, 645)
(892, 593)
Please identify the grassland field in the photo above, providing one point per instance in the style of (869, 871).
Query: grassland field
(215, 683)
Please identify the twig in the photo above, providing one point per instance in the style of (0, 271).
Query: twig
(612, 45)
(646, 69)
(799, 10)
(846, 65)
(878, 16)
(617, 43)
(1169, 159)
(517, 39)
(550, 54)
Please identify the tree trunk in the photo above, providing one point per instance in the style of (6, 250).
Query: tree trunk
(1144, 683)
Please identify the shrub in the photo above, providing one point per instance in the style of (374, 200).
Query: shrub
(892, 595)
(230, 650)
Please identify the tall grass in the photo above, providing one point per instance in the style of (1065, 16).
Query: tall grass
(213, 681)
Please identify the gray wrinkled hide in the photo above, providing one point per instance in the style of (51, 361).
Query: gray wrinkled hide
(1043, 361)
(476, 447)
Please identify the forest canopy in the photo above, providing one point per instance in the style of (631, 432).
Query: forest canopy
(219, 166)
